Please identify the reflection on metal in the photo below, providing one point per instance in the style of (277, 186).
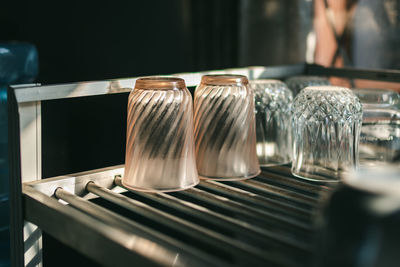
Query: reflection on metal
(254, 222)
(31, 167)
(30, 125)
(61, 91)
(32, 244)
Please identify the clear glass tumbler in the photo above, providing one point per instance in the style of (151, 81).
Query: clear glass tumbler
(326, 125)
(159, 143)
(380, 132)
(296, 83)
(224, 126)
(273, 102)
(376, 98)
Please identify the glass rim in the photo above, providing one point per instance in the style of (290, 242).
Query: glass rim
(160, 82)
(224, 79)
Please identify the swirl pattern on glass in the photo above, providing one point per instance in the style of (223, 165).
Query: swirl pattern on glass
(225, 132)
(160, 147)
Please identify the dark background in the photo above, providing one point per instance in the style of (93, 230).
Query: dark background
(80, 41)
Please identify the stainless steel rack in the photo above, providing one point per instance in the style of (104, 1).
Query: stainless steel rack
(258, 222)
(268, 220)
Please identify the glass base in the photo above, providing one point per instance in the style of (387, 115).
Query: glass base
(318, 174)
(160, 190)
(238, 178)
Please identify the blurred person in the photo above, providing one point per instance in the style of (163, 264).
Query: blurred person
(358, 33)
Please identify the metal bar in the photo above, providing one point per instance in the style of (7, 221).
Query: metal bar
(278, 72)
(36, 260)
(125, 85)
(291, 213)
(368, 74)
(32, 239)
(286, 175)
(199, 213)
(15, 199)
(97, 240)
(269, 247)
(289, 194)
(62, 91)
(267, 176)
(274, 193)
(197, 233)
(248, 212)
(127, 225)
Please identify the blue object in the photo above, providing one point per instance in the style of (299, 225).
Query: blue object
(18, 64)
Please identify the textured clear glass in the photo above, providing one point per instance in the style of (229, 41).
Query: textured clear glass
(380, 137)
(296, 83)
(159, 142)
(273, 101)
(372, 98)
(380, 132)
(224, 126)
(326, 125)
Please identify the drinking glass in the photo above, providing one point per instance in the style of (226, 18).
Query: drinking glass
(380, 132)
(326, 125)
(376, 98)
(296, 83)
(224, 126)
(159, 142)
(273, 102)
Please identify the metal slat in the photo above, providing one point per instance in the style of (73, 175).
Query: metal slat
(92, 237)
(262, 221)
(286, 175)
(282, 224)
(197, 233)
(291, 213)
(203, 214)
(292, 184)
(247, 212)
(101, 214)
(275, 193)
(290, 194)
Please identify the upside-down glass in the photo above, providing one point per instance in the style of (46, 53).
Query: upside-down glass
(326, 125)
(376, 98)
(159, 142)
(273, 128)
(224, 128)
(296, 83)
(380, 132)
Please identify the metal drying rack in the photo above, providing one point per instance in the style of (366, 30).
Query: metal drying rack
(268, 220)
